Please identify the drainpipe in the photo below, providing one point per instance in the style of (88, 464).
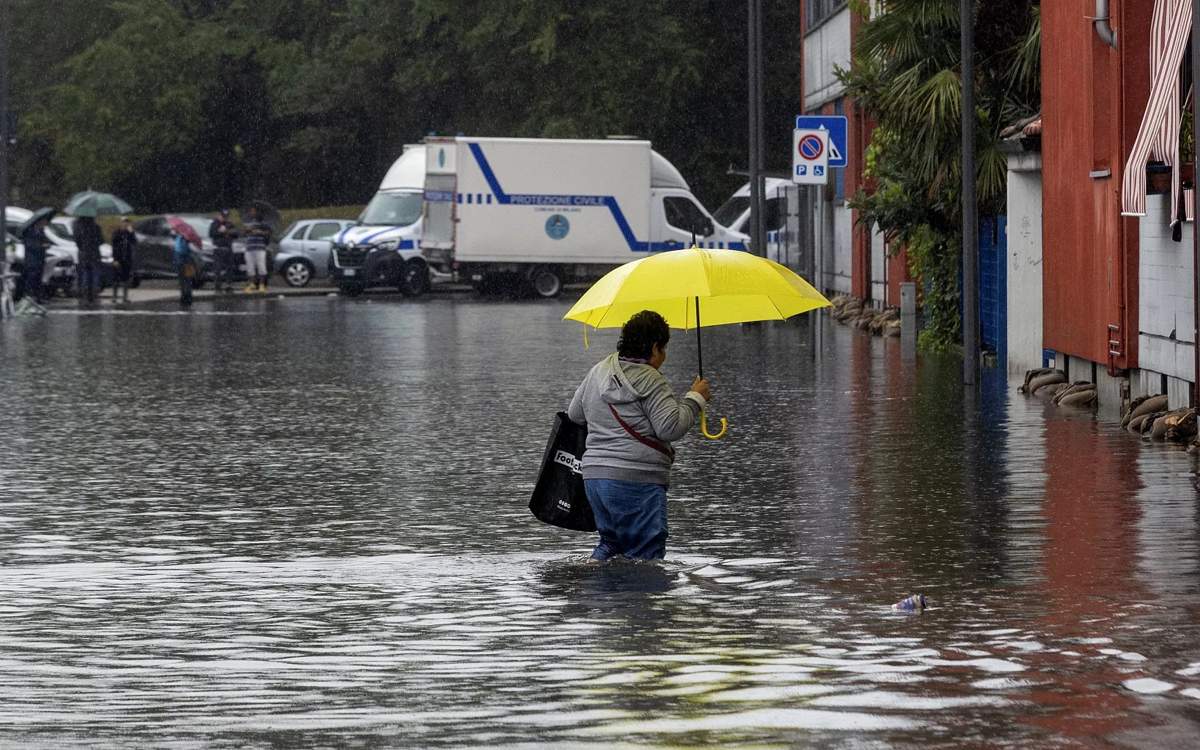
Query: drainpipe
(1101, 21)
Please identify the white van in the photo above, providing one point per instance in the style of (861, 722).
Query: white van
(380, 249)
(539, 212)
(735, 213)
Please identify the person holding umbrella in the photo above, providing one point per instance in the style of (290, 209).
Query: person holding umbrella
(626, 479)
(33, 236)
(88, 239)
(183, 258)
(258, 236)
(222, 233)
(632, 417)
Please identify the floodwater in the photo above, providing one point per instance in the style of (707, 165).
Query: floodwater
(305, 523)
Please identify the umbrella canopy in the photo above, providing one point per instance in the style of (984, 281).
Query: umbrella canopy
(181, 227)
(46, 213)
(92, 203)
(267, 214)
(694, 288)
(697, 287)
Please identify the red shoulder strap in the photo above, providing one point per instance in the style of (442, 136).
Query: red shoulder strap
(662, 448)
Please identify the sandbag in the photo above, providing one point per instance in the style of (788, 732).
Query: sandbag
(1149, 405)
(1086, 397)
(1057, 376)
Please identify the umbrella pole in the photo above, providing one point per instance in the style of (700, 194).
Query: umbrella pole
(699, 349)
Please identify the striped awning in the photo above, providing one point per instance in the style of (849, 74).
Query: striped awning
(1158, 136)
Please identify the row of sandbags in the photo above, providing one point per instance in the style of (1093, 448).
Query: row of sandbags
(853, 311)
(1148, 416)
(1050, 383)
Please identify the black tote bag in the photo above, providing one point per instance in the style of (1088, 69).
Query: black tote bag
(558, 497)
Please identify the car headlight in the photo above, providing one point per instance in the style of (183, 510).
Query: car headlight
(387, 245)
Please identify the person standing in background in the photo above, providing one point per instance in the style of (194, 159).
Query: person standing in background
(88, 239)
(34, 239)
(222, 232)
(124, 244)
(184, 261)
(258, 236)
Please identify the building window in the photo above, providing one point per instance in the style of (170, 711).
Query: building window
(816, 11)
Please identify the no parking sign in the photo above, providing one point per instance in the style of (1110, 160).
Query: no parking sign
(810, 156)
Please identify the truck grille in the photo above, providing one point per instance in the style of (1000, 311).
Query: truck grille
(351, 256)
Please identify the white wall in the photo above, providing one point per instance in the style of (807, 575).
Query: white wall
(839, 247)
(1165, 314)
(878, 270)
(824, 47)
(1024, 261)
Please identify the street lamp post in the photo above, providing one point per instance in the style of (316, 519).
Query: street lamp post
(4, 121)
(4, 136)
(970, 235)
(754, 77)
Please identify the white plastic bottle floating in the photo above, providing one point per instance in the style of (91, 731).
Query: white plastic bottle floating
(914, 603)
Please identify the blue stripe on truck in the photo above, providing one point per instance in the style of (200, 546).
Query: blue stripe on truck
(608, 201)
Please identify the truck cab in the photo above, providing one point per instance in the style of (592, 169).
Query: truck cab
(380, 249)
(677, 218)
(735, 213)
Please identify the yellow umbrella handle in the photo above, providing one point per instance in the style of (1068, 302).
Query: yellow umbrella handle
(704, 427)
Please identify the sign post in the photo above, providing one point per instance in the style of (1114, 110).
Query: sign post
(810, 157)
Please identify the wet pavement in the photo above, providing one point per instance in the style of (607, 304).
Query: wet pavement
(269, 523)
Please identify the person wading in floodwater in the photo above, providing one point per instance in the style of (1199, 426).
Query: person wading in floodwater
(632, 416)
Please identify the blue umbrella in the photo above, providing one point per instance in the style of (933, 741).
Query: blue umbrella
(92, 203)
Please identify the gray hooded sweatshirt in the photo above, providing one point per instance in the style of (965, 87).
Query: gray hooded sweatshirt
(643, 399)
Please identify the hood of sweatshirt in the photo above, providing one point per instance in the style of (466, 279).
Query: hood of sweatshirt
(624, 382)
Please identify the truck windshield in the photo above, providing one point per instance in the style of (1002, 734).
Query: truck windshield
(730, 211)
(392, 209)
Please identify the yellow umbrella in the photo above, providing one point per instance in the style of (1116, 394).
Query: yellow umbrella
(693, 288)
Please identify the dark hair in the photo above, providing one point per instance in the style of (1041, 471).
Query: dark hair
(641, 332)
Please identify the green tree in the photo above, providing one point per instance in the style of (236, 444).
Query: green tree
(196, 103)
(906, 74)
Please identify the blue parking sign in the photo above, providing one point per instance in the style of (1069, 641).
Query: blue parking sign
(836, 125)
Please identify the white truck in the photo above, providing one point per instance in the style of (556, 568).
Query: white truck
(735, 213)
(381, 248)
(538, 213)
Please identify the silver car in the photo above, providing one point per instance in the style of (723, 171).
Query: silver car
(304, 250)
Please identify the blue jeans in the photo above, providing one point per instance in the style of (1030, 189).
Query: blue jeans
(631, 518)
(89, 279)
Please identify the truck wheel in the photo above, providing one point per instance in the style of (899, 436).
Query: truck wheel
(546, 283)
(351, 290)
(414, 278)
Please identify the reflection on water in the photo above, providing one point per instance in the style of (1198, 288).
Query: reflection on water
(307, 523)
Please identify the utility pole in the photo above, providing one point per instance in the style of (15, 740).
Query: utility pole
(755, 80)
(4, 134)
(970, 236)
(1196, 212)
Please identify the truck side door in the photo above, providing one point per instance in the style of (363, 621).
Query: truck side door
(438, 214)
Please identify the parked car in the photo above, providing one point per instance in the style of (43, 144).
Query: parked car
(59, 273)
(304, 250)
(155, 249)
